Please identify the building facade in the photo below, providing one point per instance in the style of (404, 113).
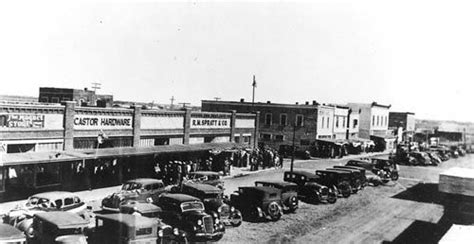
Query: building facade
(37, 128)
(403, 123)
(325, 122)
(340, 122)
(277, 122)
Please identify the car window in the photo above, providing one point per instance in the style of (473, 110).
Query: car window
(68, 201)
(58, 203)
(77, 200)
(148, 187)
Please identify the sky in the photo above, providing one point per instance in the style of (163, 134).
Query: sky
(417, 56)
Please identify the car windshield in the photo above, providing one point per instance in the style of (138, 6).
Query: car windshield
(190, 206)
(131, 186)
(37, 201)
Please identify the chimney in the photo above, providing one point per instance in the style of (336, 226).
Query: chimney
(314, 102)
(306, 103)
(296, 103)
(242, 100)
(85, 88)
(269, 102)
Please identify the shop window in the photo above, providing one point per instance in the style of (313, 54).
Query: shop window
(279, 137)
(47, 174)
(322, 122)
(283, 119)
(268, 119)
(327, 120)
(373, 120)
(337, 122)
(237, 139)
(266, 137)
(299, 120)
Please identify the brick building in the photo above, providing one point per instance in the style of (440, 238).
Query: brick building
(277, 122)
(84, 97)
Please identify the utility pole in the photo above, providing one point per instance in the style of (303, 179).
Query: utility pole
(293, 148)
(172, 101)
(184, 104)
(254, 85)
(96, 85)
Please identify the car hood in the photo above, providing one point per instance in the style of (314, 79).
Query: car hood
(194, 215)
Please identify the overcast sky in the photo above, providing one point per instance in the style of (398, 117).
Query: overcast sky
(416, 55)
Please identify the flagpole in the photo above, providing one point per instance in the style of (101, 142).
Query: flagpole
(254, 84)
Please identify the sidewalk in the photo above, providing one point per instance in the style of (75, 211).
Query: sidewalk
(98, 194)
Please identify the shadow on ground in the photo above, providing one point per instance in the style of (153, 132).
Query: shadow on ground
(454, 213)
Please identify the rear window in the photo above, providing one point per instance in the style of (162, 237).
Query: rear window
(143, 231)
(68, 201)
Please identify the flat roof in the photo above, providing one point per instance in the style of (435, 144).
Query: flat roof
(288, 105)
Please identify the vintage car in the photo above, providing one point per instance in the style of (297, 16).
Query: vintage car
(22, 215)
(419, 158)
(339, 181)
(207, 177)
(134, 190)
(187, 213)
(385, 173)
(212, 197)
(58, 227)
(308, 187)
(289, 193)
(354, 178)
(435, 159)
(360, 174)
(126, 228)
(258, 202)
(11, 235)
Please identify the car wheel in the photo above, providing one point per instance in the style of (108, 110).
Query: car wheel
(293, 204)
(274, 211)
(236, 220)
(347, 193)
(217, 237)
(394, 176)
(332, 198)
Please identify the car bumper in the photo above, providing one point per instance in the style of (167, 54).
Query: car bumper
(111, 209)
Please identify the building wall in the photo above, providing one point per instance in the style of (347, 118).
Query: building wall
(325, 122)
(67, 127)
(272, 130)
(354, 124)
(373, 119)
(340, 122)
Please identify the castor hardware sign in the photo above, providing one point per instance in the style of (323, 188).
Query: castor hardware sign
(210, 123)
(91, 122)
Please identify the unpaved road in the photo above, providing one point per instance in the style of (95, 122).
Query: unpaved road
(399, 212)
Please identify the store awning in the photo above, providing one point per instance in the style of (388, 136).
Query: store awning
(77, 155)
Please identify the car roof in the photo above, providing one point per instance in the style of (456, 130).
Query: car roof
(305, 173)
(55, 195)
(337, 171)
(205, 173)
(262, 189)
(143, 207)
(178, 197)
(203, 187)
(62, 219)
(278, 183)
(128, 219)
(144, 181)
(10, 233)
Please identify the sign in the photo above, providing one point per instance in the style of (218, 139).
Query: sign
(92, 122)
(209, 123)
(35, 121)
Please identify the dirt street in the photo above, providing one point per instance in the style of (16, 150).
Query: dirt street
(395, 213)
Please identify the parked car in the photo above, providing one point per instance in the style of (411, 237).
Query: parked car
(213, 200)
(187, 213)
(207, 177)
(127, 229)
(134, 190)
(11, 235)
(354, 178)
(419, 158)
(435, 159)
(289, 193)
(339, 181)
(373, 168)
(308, 187)
(360, 173)
(389, 166)
(58, 227)
(257, 203)
(22, 215)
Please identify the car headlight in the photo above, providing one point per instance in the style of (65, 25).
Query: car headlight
(199, 222)
(219, 209)
(232, 209)
(217, 220)
(215, 215)
(160, 233)
(175, 231)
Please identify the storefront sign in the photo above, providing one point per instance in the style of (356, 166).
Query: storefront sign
(36, 121)
(210, 123)
(88, 122)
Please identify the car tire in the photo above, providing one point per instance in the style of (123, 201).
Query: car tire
(394, 176)
(332, 199)
(274, 211)
(238, 215)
